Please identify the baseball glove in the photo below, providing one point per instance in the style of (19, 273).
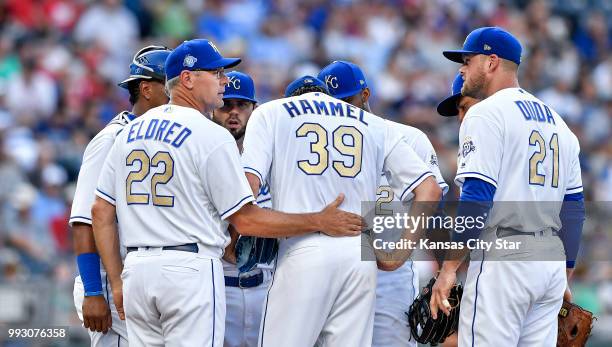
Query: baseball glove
(251, 250)
(423, 327)
(575, 324)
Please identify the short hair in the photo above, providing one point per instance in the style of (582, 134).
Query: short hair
(509, 65)
(172, 83)
(309, 89)
(133, 88)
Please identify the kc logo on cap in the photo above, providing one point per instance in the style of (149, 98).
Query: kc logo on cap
(331, 81)
(234, 82)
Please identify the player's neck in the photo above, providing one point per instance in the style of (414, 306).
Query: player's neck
(180, 98)
(239, 144)
(504, 82)
(139, 109)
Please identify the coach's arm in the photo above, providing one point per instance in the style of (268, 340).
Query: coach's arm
(427, 195)
(252, 220)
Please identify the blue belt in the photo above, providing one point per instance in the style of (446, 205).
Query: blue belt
(188, 247)
(506, 232)
(244, 282)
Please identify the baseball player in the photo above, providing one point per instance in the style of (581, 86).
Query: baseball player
(92, 297)
(307, 147)
(456, 104)
(395, 290)
(244, 292)
(305, 84)
(173, 180)
(513, 148)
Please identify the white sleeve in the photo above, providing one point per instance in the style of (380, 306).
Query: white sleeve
(258, 145)
(425, 150)
(93, 161)
(105, 188)
(226, 184)
(404, 170)
(480, 150)
(574, 183)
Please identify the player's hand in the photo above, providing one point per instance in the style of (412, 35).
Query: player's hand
(96, 314)
(118, 298)
(335, 222)
(440, 292)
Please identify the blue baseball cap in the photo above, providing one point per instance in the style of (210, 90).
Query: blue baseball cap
(240, 86)
(448, 106)
(489, 40)
(147, 64)
(305, 81)
(343, 79)
(197, 54)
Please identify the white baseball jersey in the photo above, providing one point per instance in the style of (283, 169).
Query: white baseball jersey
(423, 148)
(517, 143)
(174, 176)
(322, 146)
(396, 290)
(521, 146)
(310, 148)
(93, 160)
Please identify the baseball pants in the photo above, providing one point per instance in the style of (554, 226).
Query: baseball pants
(513, 302)
(244, 310)
(321, 294)
(117, 334)
(173, 298)
(395, 292)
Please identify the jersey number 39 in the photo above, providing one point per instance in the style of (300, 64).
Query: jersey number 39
(352, 149)
(139, 175)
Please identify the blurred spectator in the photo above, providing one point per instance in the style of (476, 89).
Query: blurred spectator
(110, 26)
(109, 23)
(49, 203)
(31, 96)
(26, 234)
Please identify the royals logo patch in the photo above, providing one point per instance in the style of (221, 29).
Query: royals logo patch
(433, 160)
(189, 60)
(467, 147)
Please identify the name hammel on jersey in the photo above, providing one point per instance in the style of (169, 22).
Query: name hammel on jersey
(323, 146)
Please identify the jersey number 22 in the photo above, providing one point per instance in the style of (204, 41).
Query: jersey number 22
(139, 174)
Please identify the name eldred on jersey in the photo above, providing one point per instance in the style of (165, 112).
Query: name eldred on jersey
(164, 130)
(324, 108)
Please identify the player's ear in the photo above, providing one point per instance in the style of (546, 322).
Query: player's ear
(493, 62)
(145, 90)
(255, 105)
(365, 95)
(187, 78)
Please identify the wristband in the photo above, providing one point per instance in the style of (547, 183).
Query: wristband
(89, 268)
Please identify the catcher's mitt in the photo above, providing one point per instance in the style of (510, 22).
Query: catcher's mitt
(423, 327)
(575, 324)
(251, 250)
